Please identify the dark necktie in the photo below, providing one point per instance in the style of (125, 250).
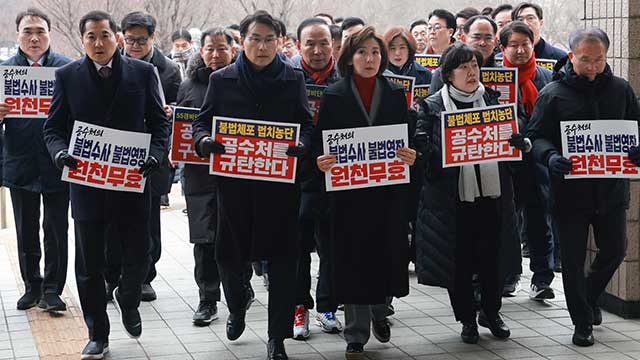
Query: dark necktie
(105, 72)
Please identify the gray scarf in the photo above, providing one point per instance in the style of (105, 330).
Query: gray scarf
(468, 188)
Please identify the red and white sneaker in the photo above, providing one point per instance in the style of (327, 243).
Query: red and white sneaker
(301, 323)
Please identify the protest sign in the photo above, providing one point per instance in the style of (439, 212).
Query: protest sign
(28, 90)
(479, 135)
(599, 148)
(107, 158)
(255, 149)
(546, 63)
(407, 83)
(314, 94)
(366, 157)
(504, 80)
(182, 147)
(420, 92)
(430, 61)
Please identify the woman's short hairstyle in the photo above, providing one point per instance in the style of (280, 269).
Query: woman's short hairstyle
(454, 56)
(353, 43)
(403, 32)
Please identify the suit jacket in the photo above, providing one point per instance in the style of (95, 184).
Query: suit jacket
(135, 106)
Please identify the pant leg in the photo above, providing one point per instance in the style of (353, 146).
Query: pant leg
(233, 278)
(154, 238)
(306, 230)
(206, 272)
(610, 235)
(282, 297)
(325, 300)
(572, 230)
(89, 267)
(26, 213)
(303, 280)
(55, 225)
(112, 254)
(487, 255)
(135, 262)
(357, 320)
(540, 244)
(461, 293)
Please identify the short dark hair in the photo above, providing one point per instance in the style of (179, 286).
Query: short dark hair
(234, 27)
(325, 15)
(139, 19)
(401, 32)
(181, 34)
(283, 28)
(259, 17)
(486, 11)
(354, 42)
(311, 22)
(351, 22)
(501, 8)
(336, 32)
(518, 9)
(338, 19)
(454, 56)
(217, 31)
(97, 15)
(32, 12)
(515, 27)
(291, 36)
(473, 19)
(448, 17)
(418, 23)
(467, 13)
(589, 34)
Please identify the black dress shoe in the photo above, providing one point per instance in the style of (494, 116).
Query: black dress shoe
(275, 350)
(130, 318)
(355, 351)
(52, 302)
(583, 336)
(28, 300)
(235, 325)
(469, 332)
(495, 324)
(95, 350)
(381, 330)
(147, 293)
(597, 315)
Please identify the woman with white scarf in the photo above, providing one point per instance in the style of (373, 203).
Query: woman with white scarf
(461, 211)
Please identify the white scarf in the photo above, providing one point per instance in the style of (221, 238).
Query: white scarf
(489, 172)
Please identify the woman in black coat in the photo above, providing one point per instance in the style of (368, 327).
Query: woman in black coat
(402, 52)
(368, 240)
(459, 222)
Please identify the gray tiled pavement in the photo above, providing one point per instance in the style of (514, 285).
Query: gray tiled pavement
(423, 327)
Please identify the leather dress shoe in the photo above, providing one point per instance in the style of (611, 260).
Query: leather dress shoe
(28, 300)
(469, 332)
(147, 293)
(381, 330)
(583, 336)
(275, 350)
(597, 315)
(235, 325)
(95, 350)
(495, 324)
(130, 318)
(52, 302)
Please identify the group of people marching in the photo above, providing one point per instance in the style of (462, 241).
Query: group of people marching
(462, 226)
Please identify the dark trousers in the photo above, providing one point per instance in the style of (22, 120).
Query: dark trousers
(55, 224)
(90, 244)
(206, 272)
(312, 234)
(535, 228)
(282, 293)
(113, 249)
(477, 245)
(609, 232)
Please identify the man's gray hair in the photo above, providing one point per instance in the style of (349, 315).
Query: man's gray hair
(589, 34)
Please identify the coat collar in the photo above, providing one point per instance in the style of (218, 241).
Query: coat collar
(231, 72)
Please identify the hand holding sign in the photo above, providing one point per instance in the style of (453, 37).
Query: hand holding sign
(407, 155)
(209, 146)
(149, 166)
(5, 109)
(325, 162)
(296, 151)
(559, 165)
(64, 159)
(634, 155)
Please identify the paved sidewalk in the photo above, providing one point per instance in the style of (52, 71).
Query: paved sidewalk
(423, 327)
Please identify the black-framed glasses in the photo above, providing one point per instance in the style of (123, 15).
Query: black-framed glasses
(140, 41)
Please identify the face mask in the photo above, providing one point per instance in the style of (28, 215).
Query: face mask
(183, 55)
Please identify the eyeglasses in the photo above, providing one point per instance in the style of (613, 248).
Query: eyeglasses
(140, 41)
(257, 40)
(435, 28)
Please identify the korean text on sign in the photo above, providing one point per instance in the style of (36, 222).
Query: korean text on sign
(407, 83)
(599, 148)
(28, 90)
(420, 92)
(504, 80)
(255, 149)
(107, 158)
(479, 135)
(430, 61)
(546, 63)
(182, 147)
(314, 94)
(366, 157)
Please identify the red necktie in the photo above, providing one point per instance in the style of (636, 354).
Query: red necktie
(35, 64)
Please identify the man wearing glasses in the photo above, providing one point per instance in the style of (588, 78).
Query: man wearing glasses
(531, 14)
(139, 29)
